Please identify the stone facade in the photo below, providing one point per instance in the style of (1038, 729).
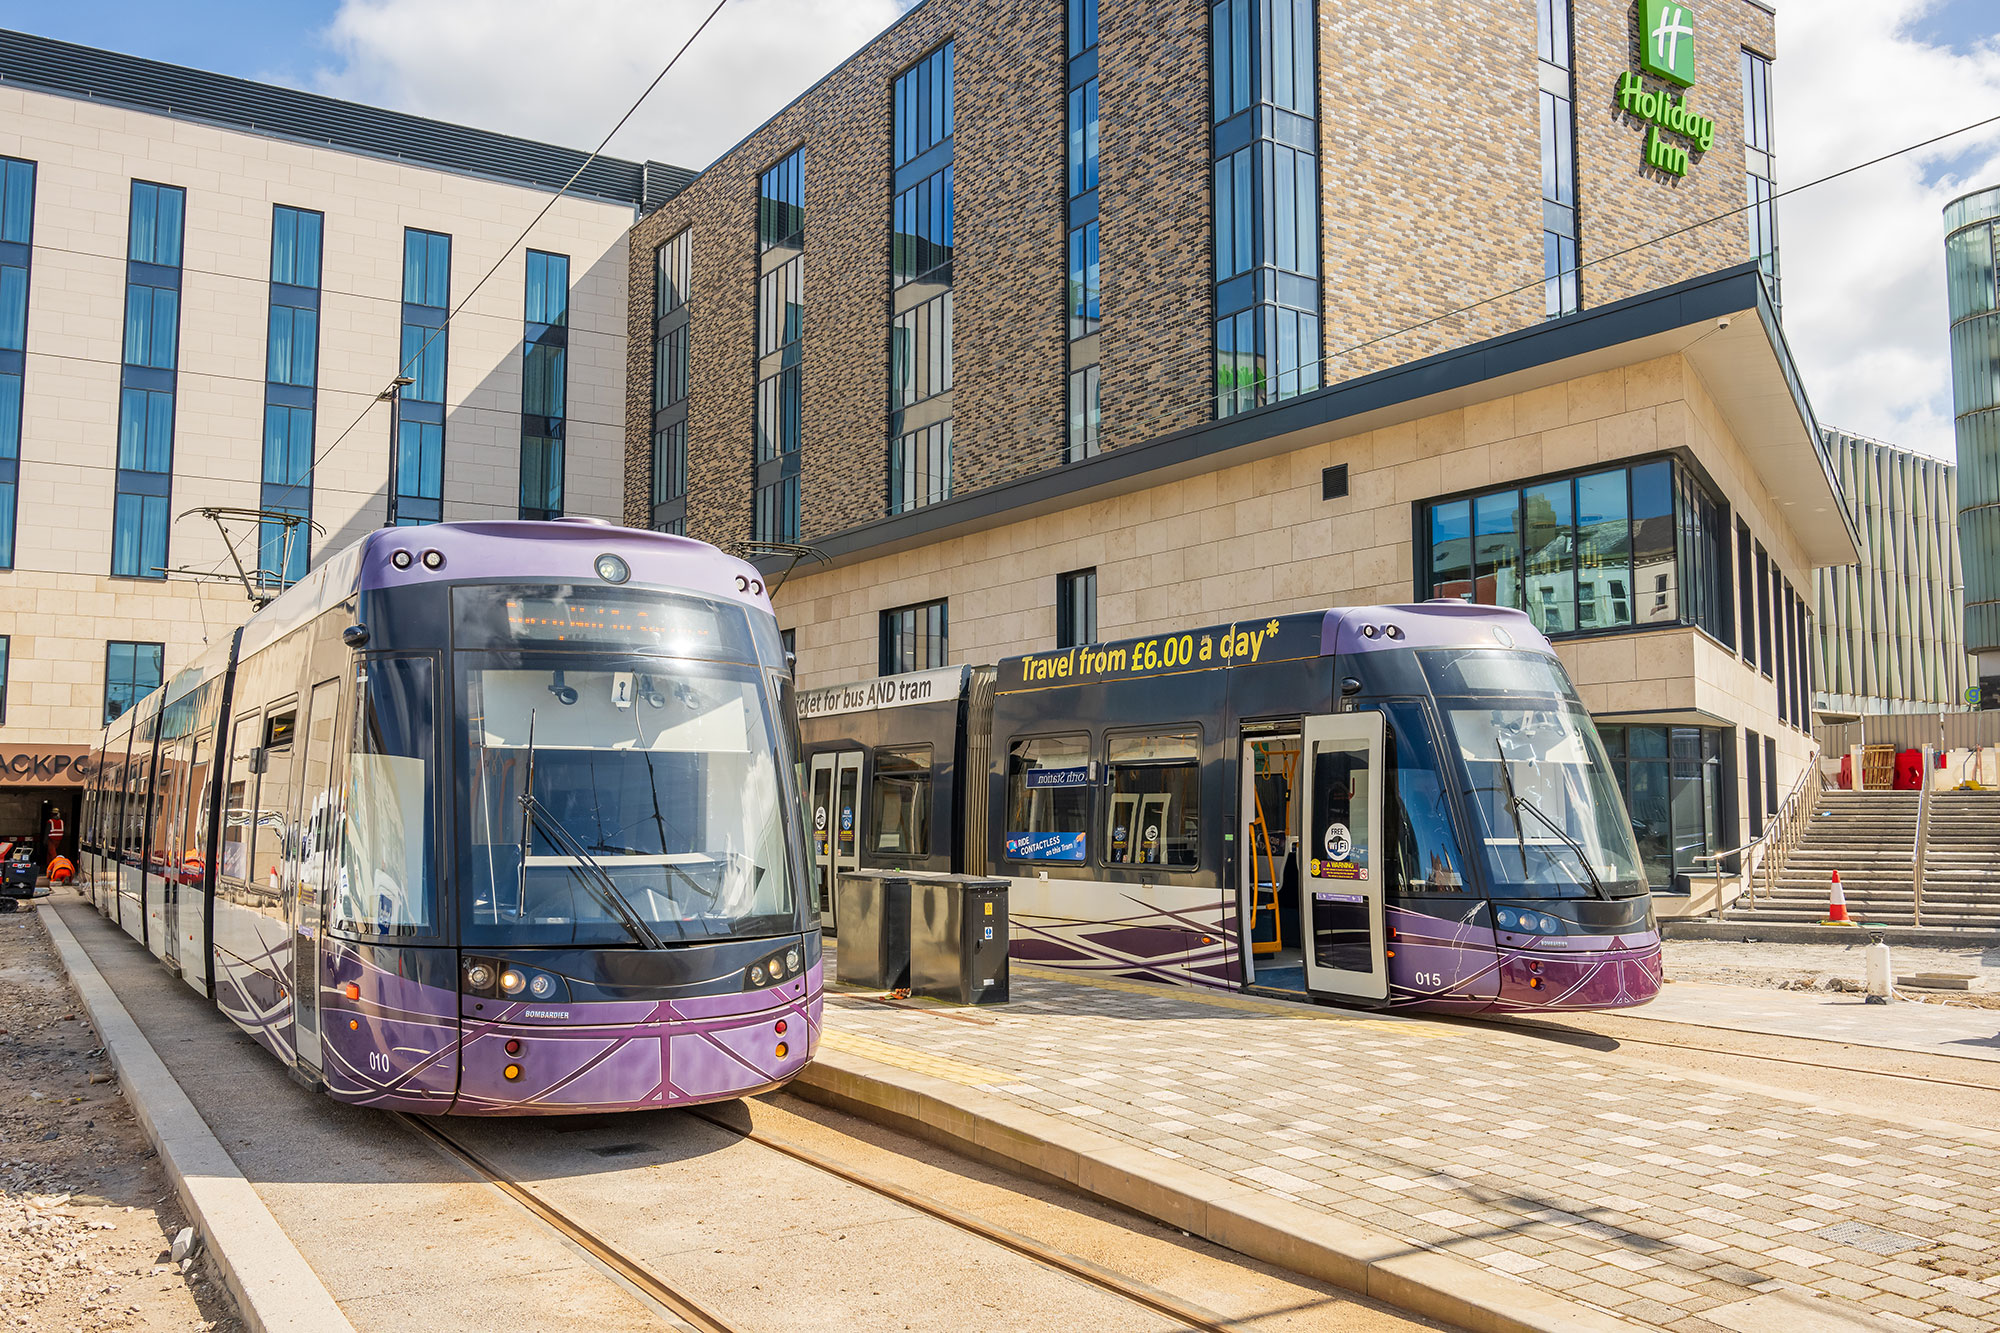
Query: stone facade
(59, 603)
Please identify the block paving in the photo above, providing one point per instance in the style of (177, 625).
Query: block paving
(1657, 1196)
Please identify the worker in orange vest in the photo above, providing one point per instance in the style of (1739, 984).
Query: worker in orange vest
(61, 871)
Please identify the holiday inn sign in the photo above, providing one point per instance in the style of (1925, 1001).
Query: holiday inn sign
(1666, 52)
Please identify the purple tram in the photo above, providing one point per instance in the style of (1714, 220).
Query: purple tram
(482, 819)
(1395, 807)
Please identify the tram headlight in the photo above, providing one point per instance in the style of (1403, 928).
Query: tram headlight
(541, 985)
(511, 982)
(613, 569)
(400, 559)
(479, 977)
(791, 960)
(1548, 925)
(756, 974)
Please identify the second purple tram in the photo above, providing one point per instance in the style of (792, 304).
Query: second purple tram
(482, 819)
(1389, 806)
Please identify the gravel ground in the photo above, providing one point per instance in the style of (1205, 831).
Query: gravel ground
(87, 1218)
(1826, 966)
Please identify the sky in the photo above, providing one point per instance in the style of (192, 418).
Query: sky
(1862, 257)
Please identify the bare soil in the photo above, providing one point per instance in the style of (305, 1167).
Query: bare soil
(87, 1217)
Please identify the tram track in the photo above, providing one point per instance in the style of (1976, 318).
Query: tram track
(704, 1319)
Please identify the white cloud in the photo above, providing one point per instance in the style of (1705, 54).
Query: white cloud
(1863, 256)
(565, 70)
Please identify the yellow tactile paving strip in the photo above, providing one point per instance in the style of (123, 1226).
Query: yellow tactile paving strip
(917, 1062)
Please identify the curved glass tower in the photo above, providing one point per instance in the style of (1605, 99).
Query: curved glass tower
(1970, 223)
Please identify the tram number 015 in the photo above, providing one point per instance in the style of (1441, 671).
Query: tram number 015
(378, 1062)
(1430, 978)
(1155, 654)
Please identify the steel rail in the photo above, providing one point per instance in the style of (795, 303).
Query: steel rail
(682, 1306)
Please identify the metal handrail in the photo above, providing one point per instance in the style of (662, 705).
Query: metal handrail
(1921, 845)
(1781, 835)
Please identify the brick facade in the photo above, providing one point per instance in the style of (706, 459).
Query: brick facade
(1431, 200)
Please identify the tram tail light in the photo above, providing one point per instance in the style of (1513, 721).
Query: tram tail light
(781, 1027)
(351, 990)
(513, 1046)
(782, 1050)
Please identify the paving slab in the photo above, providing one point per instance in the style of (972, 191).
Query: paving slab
(1904, 1025)
(1588, 1181)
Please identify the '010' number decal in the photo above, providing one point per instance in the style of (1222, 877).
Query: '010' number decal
(378, 1062)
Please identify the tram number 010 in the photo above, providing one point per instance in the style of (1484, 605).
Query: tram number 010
(1430, 978)
(1154, 654)
(378, 1062)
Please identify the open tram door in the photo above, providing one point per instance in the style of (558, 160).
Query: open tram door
(836, 821)
(1342, 881)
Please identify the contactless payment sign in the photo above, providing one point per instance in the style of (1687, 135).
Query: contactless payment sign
(1045, 846)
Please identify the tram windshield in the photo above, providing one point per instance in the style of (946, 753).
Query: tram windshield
(1546, 812)
(658, 812)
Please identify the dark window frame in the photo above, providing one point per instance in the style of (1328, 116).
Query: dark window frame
(132, 681)
(931, 640)
(1074, 630)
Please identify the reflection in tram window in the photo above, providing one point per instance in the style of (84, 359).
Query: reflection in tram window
(242, 792)
(656, 799)
(1155, 808)
(1341, 856)
(386, 886)
(899, 818)
(1423, 854)
(1048, 799)
(1548, 815)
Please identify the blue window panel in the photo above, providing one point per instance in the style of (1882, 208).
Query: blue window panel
(152, 326)
(145, 431)
(156, 224)
(548, 288)
(294, 346)
(1082, 26)
(13, 308)
(10, 417)
(288, 445)
(670, 462)
(1083, 138)
(131, 672)
(295, 246)
(276, 563)
(17, 201)
(7, 500)
(424, 362)
(781, 213)
(420, 460)
(139, 536)
(1084, 306)
(923, 105)
(922, 240)
(426, 268)
(541, 477)
(543, 388)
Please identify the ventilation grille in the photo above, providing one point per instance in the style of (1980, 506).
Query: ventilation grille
(1333, 482)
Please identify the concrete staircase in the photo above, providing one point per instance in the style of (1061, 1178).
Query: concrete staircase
(1871, 839)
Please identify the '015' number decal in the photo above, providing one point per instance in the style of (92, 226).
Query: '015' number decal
(1430, 978)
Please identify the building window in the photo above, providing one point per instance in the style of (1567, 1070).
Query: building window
(1265, 148)
(17, 236)
(673, 269)
(1085, 286)
(913, 638)
(920, 251)
(1076, 608)
(131, 672)
(781, 328)
(920, 468)
(291, 375)
(140, 509)
(1746, 594)
(1760, 169)
(1672, 781)
(1765, 661)
(1559, 266)
(1606, 550)
(544, 384)
(417, 482)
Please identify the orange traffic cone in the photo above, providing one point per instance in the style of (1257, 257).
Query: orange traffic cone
(1836, 904)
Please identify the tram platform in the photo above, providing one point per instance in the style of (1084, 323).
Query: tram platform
(1469, 1172)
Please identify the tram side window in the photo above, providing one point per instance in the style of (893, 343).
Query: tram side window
(1154, 815)
(274, 800)
(194, 867)
(386, 885)
(1048, 799)
(899, 806)
(238, 802)
(1423, 851)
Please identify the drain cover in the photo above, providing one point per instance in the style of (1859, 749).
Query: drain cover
(1872, 1239)
(627, 1149)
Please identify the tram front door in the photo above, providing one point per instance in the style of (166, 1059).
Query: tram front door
(1269, 863)
(836, 821)
(1342, 879)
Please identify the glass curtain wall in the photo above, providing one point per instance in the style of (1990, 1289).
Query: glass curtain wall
(140, 513)
(920, 250)
(416, 490)
(781, 319)
(1614, 549)
(1974, 305)
(1672, 781)
(1561, 278)
(17, 239)
(1084, 306)
(544, 384)
(291, 388)
(672, 327)
(1760, 172)
(1266, 155)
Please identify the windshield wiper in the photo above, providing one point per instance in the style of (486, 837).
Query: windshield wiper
(600, 882)
(1516, 803)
